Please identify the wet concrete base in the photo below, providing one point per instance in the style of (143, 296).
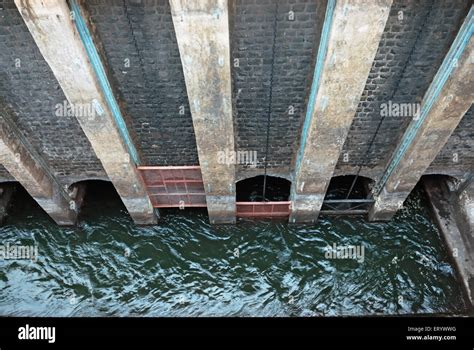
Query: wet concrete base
(305, 208)
(221, 209)
(454, 214)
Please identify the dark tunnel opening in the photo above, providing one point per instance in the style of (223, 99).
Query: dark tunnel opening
(349, 187)
(98, 197)
(251, 190)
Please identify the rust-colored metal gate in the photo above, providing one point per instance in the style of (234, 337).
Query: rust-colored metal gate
(263, 209)
(174, 186)
(182, 187)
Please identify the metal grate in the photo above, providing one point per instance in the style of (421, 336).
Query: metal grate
(346, 206)
(263, 209)
(182, 187)
(174, 186)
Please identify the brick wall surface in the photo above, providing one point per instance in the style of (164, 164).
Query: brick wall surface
(139, 44)
(29, 88)
(416, 38)
(142, 54)
(457, 155)
(296, 42)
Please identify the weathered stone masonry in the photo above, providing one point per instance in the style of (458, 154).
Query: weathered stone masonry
(416, 38)
(298, 26)
(63, 38)
(30, 89)
(457, 156)
(202, 30)
(449, 97)
(28, 168)
(139, 43)
(343, 62)
(139, 47)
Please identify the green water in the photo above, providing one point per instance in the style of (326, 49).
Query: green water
(184, 266)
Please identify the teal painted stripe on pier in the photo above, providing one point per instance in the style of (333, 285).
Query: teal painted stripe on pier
(320, 58)
(102, 78)
(432, 94)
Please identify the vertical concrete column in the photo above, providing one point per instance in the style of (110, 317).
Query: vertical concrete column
(81, 74)
(446, 101)
(349, 42)
(202, 32)
(28, 168)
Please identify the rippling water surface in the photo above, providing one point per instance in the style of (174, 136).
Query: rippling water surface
(184, 266)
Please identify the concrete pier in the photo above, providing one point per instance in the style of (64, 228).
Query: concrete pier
(28, 168)
(454, 215)
(300, 86)
(446, 101)
(53, 29)
(345, 56)
(202, 33)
